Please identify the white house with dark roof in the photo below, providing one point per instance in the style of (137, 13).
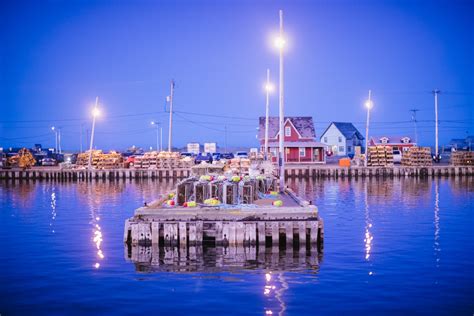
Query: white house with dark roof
(299, 139)
(341, 138)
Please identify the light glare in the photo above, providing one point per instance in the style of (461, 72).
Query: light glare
(369, 104)
(280, 42)
(95, 112)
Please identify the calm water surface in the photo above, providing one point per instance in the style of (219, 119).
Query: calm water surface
(391, 247)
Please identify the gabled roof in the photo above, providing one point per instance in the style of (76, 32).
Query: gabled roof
(348, 130)
(391, 139)
(304, 126)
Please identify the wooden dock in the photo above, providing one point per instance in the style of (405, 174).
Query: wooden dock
(57, 174)
(288, 227)
(308, 171)
(303, 171)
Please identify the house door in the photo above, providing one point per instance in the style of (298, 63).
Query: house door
(316, 154)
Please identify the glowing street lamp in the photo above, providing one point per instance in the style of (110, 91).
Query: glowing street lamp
(280, 43)
(368, 104)
(156, 124)
(268, 89)
(95, 113)
(55, 139)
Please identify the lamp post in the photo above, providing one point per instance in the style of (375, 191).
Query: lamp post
(159, 135)
(59, 141)
(55, 139)
(280, 43)
(170, 130)
(436, 157)
(268, 89)
(368, 104)
(95, 113)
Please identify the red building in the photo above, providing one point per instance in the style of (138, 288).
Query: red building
(299, 140)
(401, 143)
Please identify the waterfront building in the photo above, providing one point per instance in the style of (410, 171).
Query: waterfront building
(342, 138)
(462, 143)
(402, 143)
(299, 140)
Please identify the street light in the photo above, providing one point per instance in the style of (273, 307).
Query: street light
(156, 124)
(55, 139)
(368, 104)
(280, 43)
(268, 89)
(95, 113)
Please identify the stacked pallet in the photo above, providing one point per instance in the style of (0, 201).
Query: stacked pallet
(380, 156)
(24, 159)
(417, 157)
(162, 160)
(83, 158)
(239, 165)
(462, 158)
(112, 160)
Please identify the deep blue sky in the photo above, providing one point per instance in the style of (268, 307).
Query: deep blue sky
(56, 56)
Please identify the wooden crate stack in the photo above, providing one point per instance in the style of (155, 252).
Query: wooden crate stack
(417, 157)
(462, 158)
(112, 160)
(162, 160)
(83, 158)
(380, 156)
(240, 165)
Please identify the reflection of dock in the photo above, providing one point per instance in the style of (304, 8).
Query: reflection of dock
(230, 258)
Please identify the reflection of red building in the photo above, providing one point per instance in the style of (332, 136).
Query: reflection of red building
(401, 143)
(299, 139)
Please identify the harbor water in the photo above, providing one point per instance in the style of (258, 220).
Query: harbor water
(391, 246)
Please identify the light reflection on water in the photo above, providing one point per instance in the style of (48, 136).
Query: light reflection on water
(393, 229)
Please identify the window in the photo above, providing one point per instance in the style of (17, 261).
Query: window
(325, 139)
(340, 139)
(395, 147)
(302, 151)
(384, 140)
(274, 152)
(349, 149)
(341, 149)
(287, 131)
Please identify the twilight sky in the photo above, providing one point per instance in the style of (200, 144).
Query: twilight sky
(57, 56)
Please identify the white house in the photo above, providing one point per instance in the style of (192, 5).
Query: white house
(341, 138)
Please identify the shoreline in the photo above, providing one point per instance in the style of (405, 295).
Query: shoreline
(300, 171)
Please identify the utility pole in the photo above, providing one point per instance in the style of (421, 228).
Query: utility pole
(95, 113)
(161, 138)
(171, 116)
(80, 144)
(436, 92)
(281, 103)
(413, 118)
(267, 109)
(225, 137)
(368, 105)
(59, 140)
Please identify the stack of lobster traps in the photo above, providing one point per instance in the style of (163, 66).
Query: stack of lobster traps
(417, 157)
(100, 160)
(462, 158)
(380, 156)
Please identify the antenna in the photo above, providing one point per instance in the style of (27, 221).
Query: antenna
(413, 118)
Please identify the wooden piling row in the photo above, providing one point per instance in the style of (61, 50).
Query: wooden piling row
(218, 233)
(335, 172)
(89, 175)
